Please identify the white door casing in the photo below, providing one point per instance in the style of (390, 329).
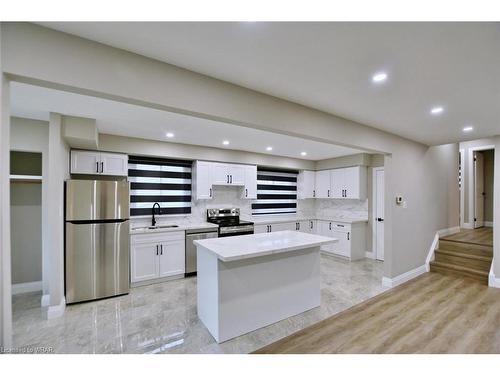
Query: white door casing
(478, 190)
(378, 213)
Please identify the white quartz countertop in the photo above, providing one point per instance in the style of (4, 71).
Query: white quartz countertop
(288, 218)
(186, 225)
(256, 245)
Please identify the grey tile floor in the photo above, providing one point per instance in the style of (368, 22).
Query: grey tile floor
(162, 318)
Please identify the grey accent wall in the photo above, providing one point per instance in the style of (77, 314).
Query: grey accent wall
(26, 231)
(489, 163)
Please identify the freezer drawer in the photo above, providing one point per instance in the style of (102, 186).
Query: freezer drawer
(97, 200)
(97, 260)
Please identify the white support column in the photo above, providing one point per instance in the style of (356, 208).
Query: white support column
(5, 278)
(495, 276)
(57, 172)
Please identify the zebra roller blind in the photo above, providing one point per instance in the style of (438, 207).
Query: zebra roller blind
(276, 192)
(165, 181)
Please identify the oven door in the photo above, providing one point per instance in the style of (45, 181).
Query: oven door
(237, 230)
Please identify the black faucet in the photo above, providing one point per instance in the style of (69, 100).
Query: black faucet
(153, 221)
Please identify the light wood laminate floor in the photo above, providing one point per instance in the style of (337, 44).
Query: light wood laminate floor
(433, 313)
(480, 236)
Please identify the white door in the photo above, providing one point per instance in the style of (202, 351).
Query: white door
(250, 191)
(237, 174)
(478, 190)
(337, 183)
(203, 185)
(172, 258)
(351, 183)
(378, 207)
(85, 162)
(220, 174)
(322, 184)
(144, 262)
(114, 164)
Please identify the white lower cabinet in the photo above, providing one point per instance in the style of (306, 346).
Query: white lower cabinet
(308, 226)
(352, 238)
(156, 255)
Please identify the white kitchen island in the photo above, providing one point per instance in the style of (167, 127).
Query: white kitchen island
(248, 282)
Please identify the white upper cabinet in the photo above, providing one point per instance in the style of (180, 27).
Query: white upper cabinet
(250, 191)
(337, 183)
(95, 162)
(85, 162)
(306, 185)
(114, 164)
(322, 184)
(341, 183)
(202, 185)
(208, 174)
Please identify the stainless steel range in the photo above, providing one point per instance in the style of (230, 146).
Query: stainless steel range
(228, 220)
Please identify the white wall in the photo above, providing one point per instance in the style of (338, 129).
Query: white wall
(496, 212)
(96, 69)
(5, 283)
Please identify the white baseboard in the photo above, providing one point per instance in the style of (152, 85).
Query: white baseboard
(448, 231)
(404, 277)
(20, 288)
(493, 281)
(45, 300)
(488, 223)
(430, 254)
(57, 310)
(467, 226)
(369, 254)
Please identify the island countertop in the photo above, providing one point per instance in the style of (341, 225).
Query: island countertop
(256, 245)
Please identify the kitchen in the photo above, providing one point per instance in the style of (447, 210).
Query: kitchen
(199, 199)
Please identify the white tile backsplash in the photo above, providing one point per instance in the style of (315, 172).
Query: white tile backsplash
(230, 196)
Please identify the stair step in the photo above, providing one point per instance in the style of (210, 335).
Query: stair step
(473, 261)
(466, 248)
(453, 269)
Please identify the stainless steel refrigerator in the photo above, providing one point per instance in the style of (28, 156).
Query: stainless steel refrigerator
(97, 239)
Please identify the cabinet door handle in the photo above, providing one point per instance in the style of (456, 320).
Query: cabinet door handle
(348, 236)
(328, 193)
(270, 228)
(97, 167)
(231, 178)
(311, 225)
(161, 249)
(210, 192)
(227, 178)
(298, 224)
(246, 193)
(314, 193)
(156, 249)
(330, 226)
(102, 167)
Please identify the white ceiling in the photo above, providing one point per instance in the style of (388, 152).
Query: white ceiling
(135, 121)
(328, 66)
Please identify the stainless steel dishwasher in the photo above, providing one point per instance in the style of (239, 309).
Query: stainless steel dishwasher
(192, 235)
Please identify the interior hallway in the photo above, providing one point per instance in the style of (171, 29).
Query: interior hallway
(433, 313)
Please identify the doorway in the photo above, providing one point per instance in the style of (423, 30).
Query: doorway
(378, 212)
(483, 167)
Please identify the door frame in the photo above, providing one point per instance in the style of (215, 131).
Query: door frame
(471, 183)
(462, 169)
(374, 212)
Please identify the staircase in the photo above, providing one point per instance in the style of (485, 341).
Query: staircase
(463, 258)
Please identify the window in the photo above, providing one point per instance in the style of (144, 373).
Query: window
(165, 181)
(276, 192)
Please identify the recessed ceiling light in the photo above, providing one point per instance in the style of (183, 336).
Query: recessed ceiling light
(468, 129)
(225, 143)
(379, 77)
(170, 135)
(303, 153)
(269, 148)
(437, 110)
